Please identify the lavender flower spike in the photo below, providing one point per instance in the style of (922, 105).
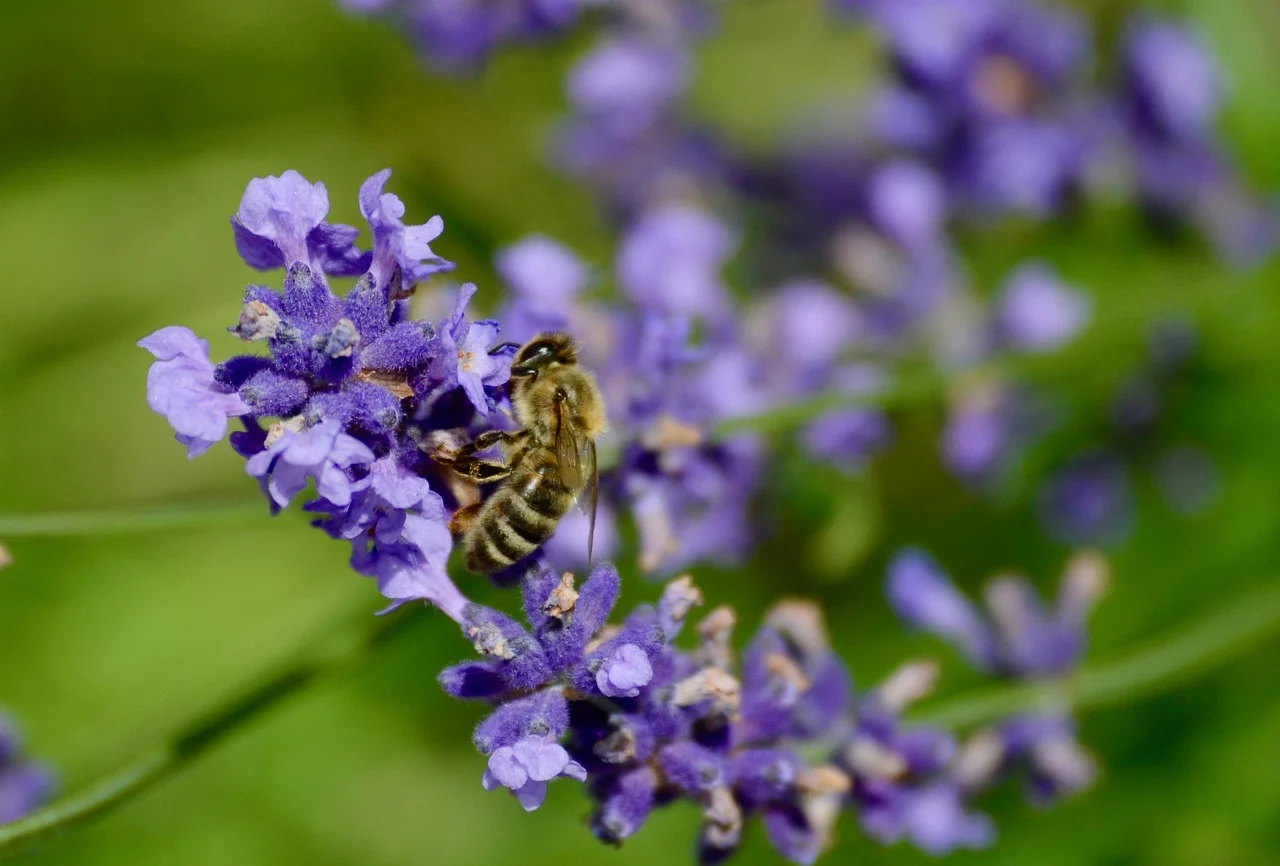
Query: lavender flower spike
(351, 390)
(181, 387)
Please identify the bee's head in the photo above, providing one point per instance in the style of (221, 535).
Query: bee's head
(543, 351)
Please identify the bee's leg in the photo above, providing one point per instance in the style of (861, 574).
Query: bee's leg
(455, 458)
(487, 440)
(462, 520)
(481, 471)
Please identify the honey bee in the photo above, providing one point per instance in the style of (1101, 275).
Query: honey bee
(549, 462)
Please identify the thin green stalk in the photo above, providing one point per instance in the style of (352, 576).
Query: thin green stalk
(325, 658)
(128, 520)
(907, 391)
(1164, 665)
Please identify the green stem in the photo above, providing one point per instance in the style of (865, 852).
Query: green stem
(326, 657)
(906, 391)
(1164, 665)
(128, 520)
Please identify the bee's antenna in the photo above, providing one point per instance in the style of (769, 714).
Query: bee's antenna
(503, 346)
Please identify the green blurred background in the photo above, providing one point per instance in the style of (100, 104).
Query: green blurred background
(130, 130)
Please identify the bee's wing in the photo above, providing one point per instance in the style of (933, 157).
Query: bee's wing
(593, 476)
(569, 446)
(576, 454)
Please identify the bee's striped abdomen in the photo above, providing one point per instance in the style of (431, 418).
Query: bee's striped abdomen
(518, 518)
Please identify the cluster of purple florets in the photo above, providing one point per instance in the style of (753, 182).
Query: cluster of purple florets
(24, 784)
(780, 734)
(351, 390)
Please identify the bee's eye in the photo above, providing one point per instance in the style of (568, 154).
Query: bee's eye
(542, 349)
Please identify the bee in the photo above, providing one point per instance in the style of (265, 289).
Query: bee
(549, 463)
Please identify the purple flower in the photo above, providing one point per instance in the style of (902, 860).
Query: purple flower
(933, 818)
(623, 86)
(527, 766)
(465, 353)
(848, 437)
(907, 202)
(458, 36)
(1173, 79)
(1037, 311)
(397, 247)
(323, 453)
(624, 672)
(671, 259)
(809, 324)
(181, 387)
(399, 532)
(976, 440)
(1027, 166)
(934, 39)
(1045, 747)
(275, 217)
(1017, 636)
(542, 271)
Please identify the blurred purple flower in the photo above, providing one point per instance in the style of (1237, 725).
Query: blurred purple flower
(908, 202)
(1089, 501)
(459, 35)
(24, 785)
(1016, 636)
(1173, 79)
(1037, 311)
(671, 259)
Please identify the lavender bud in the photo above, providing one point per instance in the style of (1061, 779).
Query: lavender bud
(911, 682)
(709, 684)
(562, 600)
(868, 757)
(257, 322)
(979, 760)
(801, 623)
(678, 598)
(342, 340)
(489, 640)
(723, 816)
(715, 632)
